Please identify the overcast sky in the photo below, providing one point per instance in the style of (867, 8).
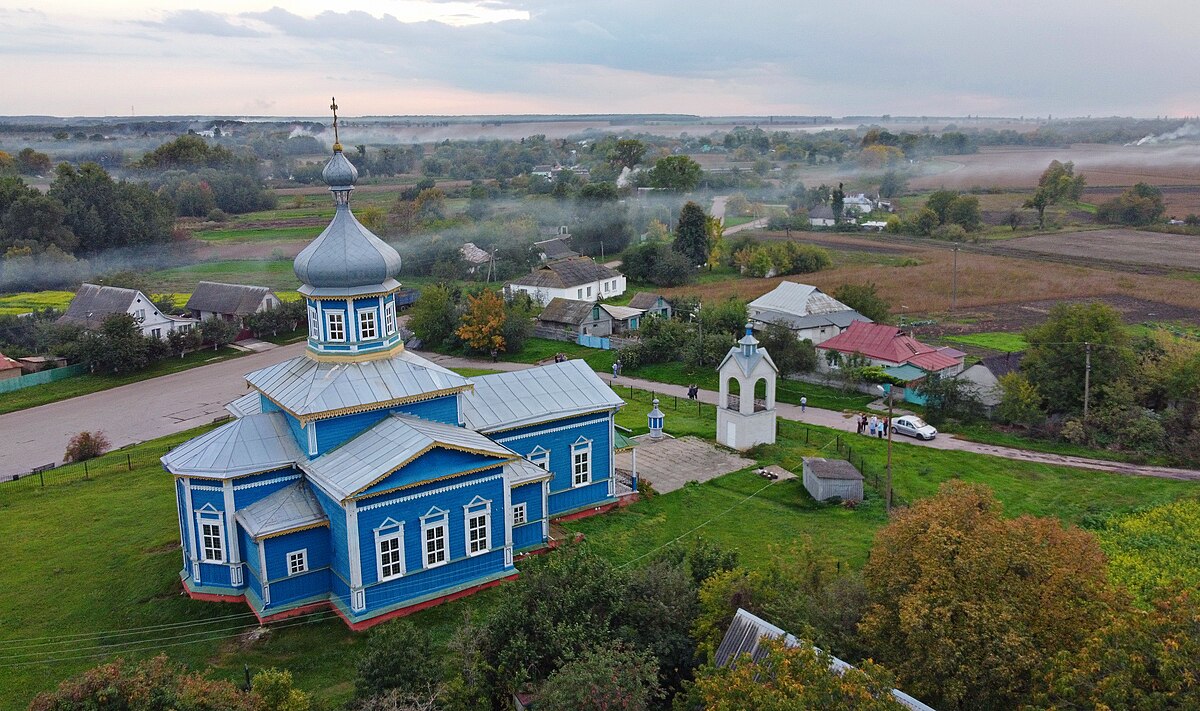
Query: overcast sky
(918, 57)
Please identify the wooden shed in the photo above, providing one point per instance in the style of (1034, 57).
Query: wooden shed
(829, 478)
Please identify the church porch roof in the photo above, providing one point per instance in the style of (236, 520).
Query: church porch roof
(255, 443)
(292, 507)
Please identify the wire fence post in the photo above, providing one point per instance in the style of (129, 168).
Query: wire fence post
(42, 478)
(128, 462)
(85, 469)
(806, 433)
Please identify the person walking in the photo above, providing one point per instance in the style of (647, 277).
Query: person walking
(615, 369)
(495, 355)
(882, 427)
(803, 403)
(887, 422)
(693, 391)
(862, 423)
(872, 425)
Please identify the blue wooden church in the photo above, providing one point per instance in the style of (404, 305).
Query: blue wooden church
(364, 477)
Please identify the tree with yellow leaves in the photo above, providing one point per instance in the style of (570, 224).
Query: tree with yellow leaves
(482, 326)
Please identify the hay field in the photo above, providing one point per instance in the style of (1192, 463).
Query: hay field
(1130, 246)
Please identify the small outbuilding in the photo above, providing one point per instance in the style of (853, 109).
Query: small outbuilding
(829, 478)
(651, 304)
(9, 368)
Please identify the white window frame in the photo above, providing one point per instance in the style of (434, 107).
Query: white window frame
(297, 562)
(479, 508)
(589, 291)
(389, 317)
(579, 293)
(156, 332)
(340, 316)
(391, 533)
(581, 476)
(314, 324)
(365, 315)
(540, 456)
(520, 514)
(432, 521)
(140, 314)
(209, 516)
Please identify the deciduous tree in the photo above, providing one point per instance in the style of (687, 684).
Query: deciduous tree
(1056, 359)
(433, 316)
(610, 677)
(965, 604)
(865, 299)
(482, 324)
(677, 173)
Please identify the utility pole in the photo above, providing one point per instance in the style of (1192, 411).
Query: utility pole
(888, 505)
(1087, 376)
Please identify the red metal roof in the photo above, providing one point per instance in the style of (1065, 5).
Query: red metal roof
(888, 343)
(7, 363)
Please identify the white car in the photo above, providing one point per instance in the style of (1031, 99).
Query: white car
(914, 426)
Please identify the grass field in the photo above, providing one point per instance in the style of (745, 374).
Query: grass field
(27, 301)
(115, 568)
(110, 578)
(276, 274)
(996, 341)
(85, 384)
(260, 234)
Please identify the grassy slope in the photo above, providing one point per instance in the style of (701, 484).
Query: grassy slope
(115, 566)
(997, 341)
(85, 384)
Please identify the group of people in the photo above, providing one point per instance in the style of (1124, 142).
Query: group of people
(560, 357)
(693, 391)
(874, 426)
(616, 369)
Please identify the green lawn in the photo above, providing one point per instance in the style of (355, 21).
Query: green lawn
(234, 234)
(114, 568)
(789, 391)
(988, 435)
(275, 273)
(85, 384)
(996, 341)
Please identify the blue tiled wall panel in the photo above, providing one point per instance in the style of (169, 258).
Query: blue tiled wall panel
(339, 555)
(434, 464)
(260, 486)
(528, 535)
(425, 582)
(572, 499)
(335, 431)
(531, 496)
(525, 440)
(299, 587)
(249, 551)
(214, 575)
(314, 540)
(410, 513)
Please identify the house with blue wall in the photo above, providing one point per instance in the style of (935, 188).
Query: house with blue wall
(363, 477)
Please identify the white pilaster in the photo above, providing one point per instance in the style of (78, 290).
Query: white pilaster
(357, 598)
(190, 512)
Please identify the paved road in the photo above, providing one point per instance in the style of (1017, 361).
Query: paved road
(718, 207)
(753, 225)
(131, 413)
(173, 403)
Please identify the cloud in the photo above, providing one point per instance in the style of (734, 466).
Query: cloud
(204, 23)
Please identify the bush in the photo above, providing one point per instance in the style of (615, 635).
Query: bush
(86, 445)
(398, 655)
(657, 263)
(217, 215)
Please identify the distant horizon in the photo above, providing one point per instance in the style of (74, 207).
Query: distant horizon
(825, 118)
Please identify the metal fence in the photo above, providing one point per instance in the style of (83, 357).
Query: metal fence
(53, 474)
(41, 378)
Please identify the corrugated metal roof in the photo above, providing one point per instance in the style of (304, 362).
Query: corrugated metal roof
(248, 404)
(841, 319)
(905, 372)
(292, 507)
(566, 273)
(568, 311)
(644, 300)
(523, 471)
(389, 445)
(237, 299)
(876, 340)
(93, 303)
(622, 443)
(621, 313)
(832, 468)
(307, 387)
(248, 445)
(747, 630)
(934, 361)
(797, 300)
(506, 400)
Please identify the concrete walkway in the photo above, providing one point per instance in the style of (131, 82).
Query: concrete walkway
(845, 422)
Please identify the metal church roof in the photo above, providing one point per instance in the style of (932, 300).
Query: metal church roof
(524, 397)
(288, 509)
(255, 443)
(346, 255)
(522, 471)
(746, 632)
(248, 404)
(308, 388)
(388, 446)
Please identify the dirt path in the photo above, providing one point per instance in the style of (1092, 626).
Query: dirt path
(843, 421)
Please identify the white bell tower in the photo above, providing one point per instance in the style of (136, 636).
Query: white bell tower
(742, 420)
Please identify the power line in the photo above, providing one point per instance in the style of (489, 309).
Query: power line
(82, 636)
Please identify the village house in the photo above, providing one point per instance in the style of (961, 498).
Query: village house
(555, 248)
(94, 303)
(805, 310)
(577, 278)
(9, 368)
(361, 477)
(985, 376)
(651, 304)
(821, 216)
(231, 302)
(860, 204)
(579, 318)
(889, 347)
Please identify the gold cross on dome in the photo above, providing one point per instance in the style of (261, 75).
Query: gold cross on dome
(334, 107)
